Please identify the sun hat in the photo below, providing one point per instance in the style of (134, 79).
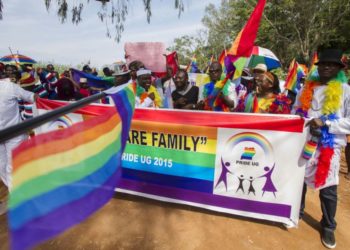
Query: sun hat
(120, 68)
(141, 72)
(261, 67)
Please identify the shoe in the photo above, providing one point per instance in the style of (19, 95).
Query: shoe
(328, 239)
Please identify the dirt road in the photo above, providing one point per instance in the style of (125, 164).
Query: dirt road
(129, 222)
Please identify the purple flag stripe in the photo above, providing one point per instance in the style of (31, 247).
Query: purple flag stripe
(125, 111)
(274, 209)
(50, 225)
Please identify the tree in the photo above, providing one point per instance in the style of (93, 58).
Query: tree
(112, 12)
(290, 28)
(189, 46)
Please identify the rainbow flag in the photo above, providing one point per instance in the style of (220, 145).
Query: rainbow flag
(314, 60)
(221, 60)
(62, 177)
(93, 81)
(313, 72)
(293, 80)
(192, 67)
(244, 42)
(242, 46)
(251, 104)
(211, 60)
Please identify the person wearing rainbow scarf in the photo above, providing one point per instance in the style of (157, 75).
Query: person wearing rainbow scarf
(220, 93)
(147, 95)
(266, 98)
(325, 101)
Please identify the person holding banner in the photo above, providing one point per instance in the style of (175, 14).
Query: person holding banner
(219, 94)
(147, 95)
(10, 115)
(185, 96)
(267, 97)
(325, 99)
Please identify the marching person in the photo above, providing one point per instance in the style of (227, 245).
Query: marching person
(185, 96)
(9, 116)
(266, 99)
(326, 101)
(147, 95)
(219, 94)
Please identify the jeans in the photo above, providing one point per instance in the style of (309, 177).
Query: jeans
(328, 198)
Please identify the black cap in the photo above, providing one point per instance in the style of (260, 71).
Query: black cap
(331, 55)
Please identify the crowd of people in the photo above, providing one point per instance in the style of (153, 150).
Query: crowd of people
(324, 101)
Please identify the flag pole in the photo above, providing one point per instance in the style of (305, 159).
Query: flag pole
(16, 59)
(37, 121)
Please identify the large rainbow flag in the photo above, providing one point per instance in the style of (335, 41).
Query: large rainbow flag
(62, 177)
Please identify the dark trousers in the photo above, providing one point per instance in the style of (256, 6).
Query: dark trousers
(328, 198)
(347, 156)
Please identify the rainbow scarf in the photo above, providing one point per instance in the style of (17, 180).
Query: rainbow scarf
(332, 103)
(278, 104)
(143, 94)
(62, 177)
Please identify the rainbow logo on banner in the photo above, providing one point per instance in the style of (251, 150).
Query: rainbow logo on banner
(248, 153)
(251, 137)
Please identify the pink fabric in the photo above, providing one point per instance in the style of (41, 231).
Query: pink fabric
(150, 53)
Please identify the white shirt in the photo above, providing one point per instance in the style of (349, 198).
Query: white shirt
(9, 95)
(340, 127)
(169, 87)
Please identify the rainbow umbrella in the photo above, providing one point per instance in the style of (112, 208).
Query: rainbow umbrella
(17, 59)
(265, 56)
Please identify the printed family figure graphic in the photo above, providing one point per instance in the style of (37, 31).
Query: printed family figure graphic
(251, 188)
(268, 186)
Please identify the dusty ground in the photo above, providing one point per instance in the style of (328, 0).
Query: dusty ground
(129, 222)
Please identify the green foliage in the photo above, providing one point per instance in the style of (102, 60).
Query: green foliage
(290, 28)
(58, 67)
(189, 46)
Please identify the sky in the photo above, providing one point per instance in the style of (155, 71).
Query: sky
(28, 28)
